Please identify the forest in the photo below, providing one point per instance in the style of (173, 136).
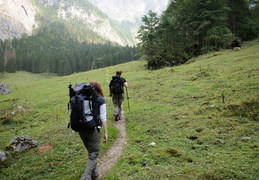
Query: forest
(53, 52)
(62, 47)
(189, 28)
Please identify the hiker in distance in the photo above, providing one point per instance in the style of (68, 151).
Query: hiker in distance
(116, 87)
(91, 139)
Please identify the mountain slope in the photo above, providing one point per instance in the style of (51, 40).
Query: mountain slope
(25, 16)
(17, 17)
(130, 10)
(202, 116)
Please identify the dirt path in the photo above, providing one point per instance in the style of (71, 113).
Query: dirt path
(108, 160)
(112, 156)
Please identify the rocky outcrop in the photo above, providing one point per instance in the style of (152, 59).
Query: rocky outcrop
(22, 143)
(3, 157)
(19, 16)
(16, 17)
(17, 144)
(101, 26)
(3, 160)
(4, 89)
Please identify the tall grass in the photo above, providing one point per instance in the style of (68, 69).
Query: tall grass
(203, 117)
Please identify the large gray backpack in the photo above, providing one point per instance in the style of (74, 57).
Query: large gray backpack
(84, 107)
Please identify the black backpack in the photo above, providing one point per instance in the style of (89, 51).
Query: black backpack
(116, 85)
(84, 107)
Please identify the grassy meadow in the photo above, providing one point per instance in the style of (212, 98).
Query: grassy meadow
(203, 117)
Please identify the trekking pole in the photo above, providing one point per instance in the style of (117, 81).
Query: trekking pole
(128, 98)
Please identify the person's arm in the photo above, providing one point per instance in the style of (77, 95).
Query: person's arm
(105, 134)
(104, 123)
(125, 84)
(110, 89)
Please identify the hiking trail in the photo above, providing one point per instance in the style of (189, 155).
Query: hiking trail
(110, 158)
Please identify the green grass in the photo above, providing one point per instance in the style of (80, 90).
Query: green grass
(198, 114)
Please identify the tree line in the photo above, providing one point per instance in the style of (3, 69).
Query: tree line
(188, 28)
(51, 49)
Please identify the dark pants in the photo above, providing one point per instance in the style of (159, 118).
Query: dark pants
(91, 141)
(117, 100)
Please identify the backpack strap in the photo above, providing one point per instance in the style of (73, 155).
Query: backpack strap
(71, 91)
(98, 114)
(71, 94)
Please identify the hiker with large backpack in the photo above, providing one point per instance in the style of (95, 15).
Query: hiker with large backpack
(116, 88)
(88, 114)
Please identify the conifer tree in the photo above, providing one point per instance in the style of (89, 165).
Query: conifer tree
(11, 65)
(147, 35)
(2, 65)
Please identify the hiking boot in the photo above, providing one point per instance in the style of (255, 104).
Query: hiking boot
(119, 118)
(82, 177)
(95, 178)
(116, 117)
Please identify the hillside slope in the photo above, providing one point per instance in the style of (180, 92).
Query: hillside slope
(25, 16)
(129, 10)
(202, 117)
(98, 19)
(17, 17)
